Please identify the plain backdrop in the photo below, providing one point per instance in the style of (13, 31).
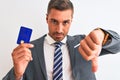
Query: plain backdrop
(88, 15)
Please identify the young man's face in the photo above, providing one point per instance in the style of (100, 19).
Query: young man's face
(59, 23)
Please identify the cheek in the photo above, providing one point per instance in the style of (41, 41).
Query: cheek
(51, 29)
(67, 29)
(49, 26)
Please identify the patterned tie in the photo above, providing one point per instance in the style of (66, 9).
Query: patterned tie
(57, 68)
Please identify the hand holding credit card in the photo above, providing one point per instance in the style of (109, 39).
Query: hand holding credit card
(24, 35)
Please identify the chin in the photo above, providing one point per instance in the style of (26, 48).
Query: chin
(59, 39)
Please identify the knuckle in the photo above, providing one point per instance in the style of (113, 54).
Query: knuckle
(82, 42)
(94, 47)
(25, 50)
(24, 57)
(92, 33)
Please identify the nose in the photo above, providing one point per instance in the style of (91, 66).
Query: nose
(60, 28)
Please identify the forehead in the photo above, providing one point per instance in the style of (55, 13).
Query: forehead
(60, 15)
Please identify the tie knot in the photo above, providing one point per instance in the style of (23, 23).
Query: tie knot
(58, 44)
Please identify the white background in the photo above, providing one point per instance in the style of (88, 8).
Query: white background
(89, 14)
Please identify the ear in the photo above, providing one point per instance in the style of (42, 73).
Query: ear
(47, 18)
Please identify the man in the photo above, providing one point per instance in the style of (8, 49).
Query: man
(35, 61)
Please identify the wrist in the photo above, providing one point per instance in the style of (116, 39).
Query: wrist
(18, 77)
(106, 36)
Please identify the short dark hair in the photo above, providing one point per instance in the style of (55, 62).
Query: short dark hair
(60, 5)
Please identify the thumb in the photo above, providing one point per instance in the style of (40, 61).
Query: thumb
(94, 64)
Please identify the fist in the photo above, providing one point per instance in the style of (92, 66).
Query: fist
(21, 56)
(90, 47)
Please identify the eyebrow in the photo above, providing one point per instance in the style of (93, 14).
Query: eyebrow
(58, 21)
(66, 20)
(53, 19)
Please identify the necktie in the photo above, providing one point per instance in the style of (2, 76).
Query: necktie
(57, 68)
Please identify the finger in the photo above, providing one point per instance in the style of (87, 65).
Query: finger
(94, 64)
(25, 58)
(86, 48)
(22, 59)
(84, 55)
(22, 55)
(21, 51)
(90, 43)
(94, 38)
(26, 45)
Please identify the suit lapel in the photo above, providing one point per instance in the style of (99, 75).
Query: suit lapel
(70, 44)
(40, 53)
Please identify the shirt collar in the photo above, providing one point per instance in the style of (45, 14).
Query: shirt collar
(50, 40)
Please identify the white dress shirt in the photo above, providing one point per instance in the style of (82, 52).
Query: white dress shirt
(49, 56)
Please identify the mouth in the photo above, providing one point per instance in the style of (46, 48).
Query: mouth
(58, 36)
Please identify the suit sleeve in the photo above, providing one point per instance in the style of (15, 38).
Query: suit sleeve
(113, 44)
(10, 75)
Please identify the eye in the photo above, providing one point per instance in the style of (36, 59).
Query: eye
(53, 21)
(66, 22)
